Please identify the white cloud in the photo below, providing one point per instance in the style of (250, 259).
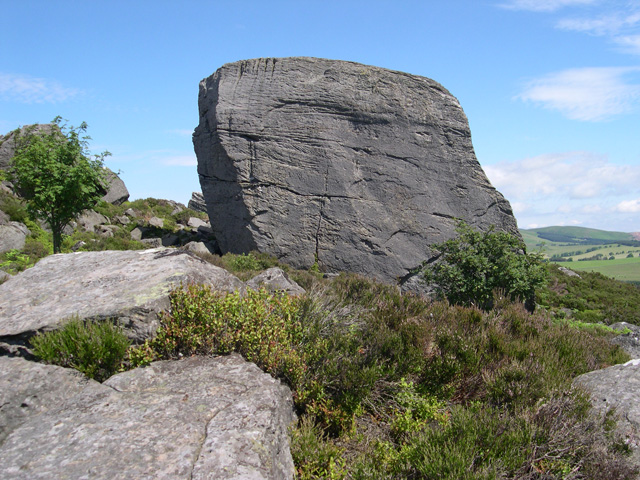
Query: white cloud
(587, 94)
(570, 188)
(603, 25)
(26, 89)
(571, 175)
(544, 5)
(629, 43)
(629, 206)
(180, 161)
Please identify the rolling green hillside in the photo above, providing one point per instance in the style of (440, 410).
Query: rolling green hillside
(615, 254)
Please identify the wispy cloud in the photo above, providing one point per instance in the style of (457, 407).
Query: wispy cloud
(27, 89)
(608, 24)
(629, 206)
(588, 94)
(543, 5)
(573, 175)
(570, 188)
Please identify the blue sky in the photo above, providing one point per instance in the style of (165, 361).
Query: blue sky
(551, 87)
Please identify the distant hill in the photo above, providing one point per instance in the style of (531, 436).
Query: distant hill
(578, 236)
(615, 254)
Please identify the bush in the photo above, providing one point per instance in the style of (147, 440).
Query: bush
(475, 264)
(388, 385)
(95, 349)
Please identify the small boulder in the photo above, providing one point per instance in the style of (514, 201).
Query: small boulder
(89, 220)
(200, 247)
(195, 222)
(628, 341)
(13, 236)
(275, 280)
(117, 192)
(156, 222)
(568, 272)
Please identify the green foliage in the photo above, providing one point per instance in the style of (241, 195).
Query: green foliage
(56, 175)
(13, 261)
(394, 386)
(14, 207)
(473, 265)
(95, 349)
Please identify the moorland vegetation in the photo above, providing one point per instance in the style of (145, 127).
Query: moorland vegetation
(392, 385)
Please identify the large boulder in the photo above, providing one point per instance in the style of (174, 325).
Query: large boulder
(197, 418)
(127, 287)
(352, 167)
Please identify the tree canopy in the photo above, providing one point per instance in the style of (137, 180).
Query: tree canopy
(54, 172)
(473, 265)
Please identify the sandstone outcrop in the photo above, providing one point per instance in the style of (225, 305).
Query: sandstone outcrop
(117, 191)
(353, 167)
(197, 418)
(128, 287)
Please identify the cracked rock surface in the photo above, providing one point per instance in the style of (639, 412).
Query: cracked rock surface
(129, 287)
(197, 418)
(354, 167)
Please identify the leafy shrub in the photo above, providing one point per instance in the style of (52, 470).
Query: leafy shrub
(14, 207)
(473, 265)
(592, 296)
(395, 386)
(95, 349)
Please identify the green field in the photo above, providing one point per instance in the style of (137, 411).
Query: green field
(578, 243)
(625, 269)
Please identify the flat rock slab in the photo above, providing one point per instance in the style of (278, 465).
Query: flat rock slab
(197, 418)
(618, 387)
(131, 287)
(29, 388)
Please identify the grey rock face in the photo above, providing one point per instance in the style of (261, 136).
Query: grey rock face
(130, 287)
(117, 192)
(13, 236)
(197, 202)
(275, 280)
(198, 418)
(356, 167)
(618, 387)
(29, 388)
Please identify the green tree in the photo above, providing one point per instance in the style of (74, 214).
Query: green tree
(53, 170)
(470, 267)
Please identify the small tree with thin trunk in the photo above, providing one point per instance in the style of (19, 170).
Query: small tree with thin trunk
(54, 172)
